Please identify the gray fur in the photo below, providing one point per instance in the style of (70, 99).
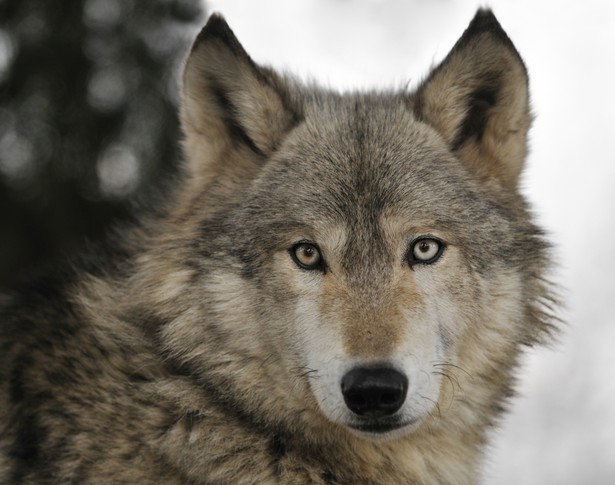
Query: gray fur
(187, 355)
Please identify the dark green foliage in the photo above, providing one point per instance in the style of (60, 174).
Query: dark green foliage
(88, 123)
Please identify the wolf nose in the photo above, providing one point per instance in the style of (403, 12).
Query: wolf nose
(374, 392)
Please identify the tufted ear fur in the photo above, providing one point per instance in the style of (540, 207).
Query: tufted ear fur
(477, 99)
(234, 113)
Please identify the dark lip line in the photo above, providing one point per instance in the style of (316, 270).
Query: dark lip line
(383, 427)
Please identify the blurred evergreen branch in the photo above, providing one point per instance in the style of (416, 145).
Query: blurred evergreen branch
(88, 123)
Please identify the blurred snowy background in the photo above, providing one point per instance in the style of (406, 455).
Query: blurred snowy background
(87, 128)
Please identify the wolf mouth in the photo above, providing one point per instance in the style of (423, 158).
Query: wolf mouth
(381, 426)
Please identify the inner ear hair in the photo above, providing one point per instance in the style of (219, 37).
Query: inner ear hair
(479, 104)
(234, 113)
(477, 99)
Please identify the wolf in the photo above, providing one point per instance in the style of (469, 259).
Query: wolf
(337, 290)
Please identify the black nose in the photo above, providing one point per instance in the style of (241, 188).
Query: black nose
(374, 392)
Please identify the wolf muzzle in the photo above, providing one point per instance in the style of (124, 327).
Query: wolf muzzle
(374, 392)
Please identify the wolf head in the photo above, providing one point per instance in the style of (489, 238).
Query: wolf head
(364, 259)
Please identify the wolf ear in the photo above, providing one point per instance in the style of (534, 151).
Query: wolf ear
(233, 111)
(477, 99)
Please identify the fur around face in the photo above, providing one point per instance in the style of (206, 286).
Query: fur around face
(199, 351)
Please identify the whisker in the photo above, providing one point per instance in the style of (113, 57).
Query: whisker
(437, 406)
(308, 373)
(311, 374)
(448, 364)
(453, 380)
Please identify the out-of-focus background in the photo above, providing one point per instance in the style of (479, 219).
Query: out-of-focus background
(88, 124)
(88, 131)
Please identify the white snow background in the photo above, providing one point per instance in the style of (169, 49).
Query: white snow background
(562, 427)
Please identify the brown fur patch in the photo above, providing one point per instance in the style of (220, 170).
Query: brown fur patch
(373, 330)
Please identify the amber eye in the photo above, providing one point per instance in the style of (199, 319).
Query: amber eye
(425, 250)
(307, 256)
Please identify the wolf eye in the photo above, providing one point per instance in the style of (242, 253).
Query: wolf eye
(425, 250)
(307, 256)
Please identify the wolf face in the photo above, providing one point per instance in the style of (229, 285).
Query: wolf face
(337, 292)
(372, 247)
(363, 254)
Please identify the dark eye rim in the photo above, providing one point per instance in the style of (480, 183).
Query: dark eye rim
(412, 261)
(320, 265)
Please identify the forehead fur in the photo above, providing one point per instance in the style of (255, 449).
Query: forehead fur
(356, 156)
(344, 165)
(356, 160)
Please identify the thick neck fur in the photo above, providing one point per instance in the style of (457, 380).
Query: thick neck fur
(202, 389)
